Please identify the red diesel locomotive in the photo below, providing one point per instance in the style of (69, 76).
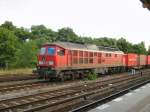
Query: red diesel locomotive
(66, 59)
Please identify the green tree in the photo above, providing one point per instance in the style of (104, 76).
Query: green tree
(8, 25)
(39, 42)
(8, 43)
(40, 31)
(23, 34)
(26, 55)
(105, 42)
(140, 48)
(124, 45)
(148, 50)
(66, 34)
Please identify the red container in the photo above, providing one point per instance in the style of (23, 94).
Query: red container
(148, 60)
(131, 60)
(141, 60)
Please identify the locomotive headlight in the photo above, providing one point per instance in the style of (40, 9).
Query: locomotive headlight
(40, 62)
(51, 62)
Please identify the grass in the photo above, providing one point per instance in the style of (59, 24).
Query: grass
(22, 71)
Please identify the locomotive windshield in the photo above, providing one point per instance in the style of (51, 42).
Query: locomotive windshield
(43, 49)
(51, 51)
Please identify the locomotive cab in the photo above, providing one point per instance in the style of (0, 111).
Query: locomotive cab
(46, 61)
(47, 56)
(50, 58)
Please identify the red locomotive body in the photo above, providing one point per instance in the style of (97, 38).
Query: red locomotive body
(61, 59)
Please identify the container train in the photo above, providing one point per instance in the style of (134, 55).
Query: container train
(71, 60)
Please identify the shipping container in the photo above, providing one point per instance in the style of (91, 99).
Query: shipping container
(131, 60)
(141, 60)
(148, 60)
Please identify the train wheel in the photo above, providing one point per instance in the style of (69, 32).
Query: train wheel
(62, 78)
(72, 77)
(39, 76)
(81, 76)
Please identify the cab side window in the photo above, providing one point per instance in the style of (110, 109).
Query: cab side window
(61, 52)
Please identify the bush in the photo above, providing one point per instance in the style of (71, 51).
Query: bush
(92, 76)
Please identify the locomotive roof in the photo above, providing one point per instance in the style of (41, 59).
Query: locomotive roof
(83, 46)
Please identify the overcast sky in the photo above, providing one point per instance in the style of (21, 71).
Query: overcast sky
(96, 18)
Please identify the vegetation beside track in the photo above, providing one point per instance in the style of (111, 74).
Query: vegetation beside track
(92, 76)
(11, 72)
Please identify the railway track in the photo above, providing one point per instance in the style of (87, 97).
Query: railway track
(34, 84)
(16, 77)
(64, 99)
(98, 102)
(31, 84)
(21, 86)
